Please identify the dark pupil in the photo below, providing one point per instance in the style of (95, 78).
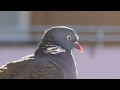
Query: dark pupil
(68, 37)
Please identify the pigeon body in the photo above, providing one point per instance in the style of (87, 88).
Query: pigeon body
(52, 59)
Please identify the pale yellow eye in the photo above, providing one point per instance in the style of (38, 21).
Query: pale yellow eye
(69, 37)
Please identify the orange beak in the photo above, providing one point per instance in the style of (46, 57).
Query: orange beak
(77, 46)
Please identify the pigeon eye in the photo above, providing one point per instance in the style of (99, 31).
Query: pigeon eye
(68, 37)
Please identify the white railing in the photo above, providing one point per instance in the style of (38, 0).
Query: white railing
(86, 33)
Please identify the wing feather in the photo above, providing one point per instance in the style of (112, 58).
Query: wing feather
(31, 68)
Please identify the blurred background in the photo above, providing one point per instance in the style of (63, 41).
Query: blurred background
(99, 35)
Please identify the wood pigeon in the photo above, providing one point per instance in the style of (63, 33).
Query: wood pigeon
(52, 59)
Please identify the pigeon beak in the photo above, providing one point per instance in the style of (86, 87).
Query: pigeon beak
(77, 46)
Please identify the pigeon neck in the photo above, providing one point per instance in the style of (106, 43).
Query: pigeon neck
(49, 48)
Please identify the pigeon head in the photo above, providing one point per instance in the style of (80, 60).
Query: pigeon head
(59, 39)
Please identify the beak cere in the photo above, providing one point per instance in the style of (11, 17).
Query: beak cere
(77, 46)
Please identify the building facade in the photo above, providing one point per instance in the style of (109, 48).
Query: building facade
(92, 26)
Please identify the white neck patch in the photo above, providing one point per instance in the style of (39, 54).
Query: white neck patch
(53, 49)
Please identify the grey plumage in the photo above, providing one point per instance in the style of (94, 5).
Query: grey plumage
(51, 60)
(31, 67)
